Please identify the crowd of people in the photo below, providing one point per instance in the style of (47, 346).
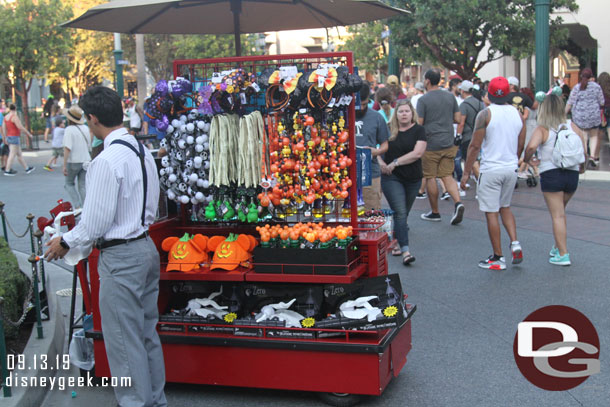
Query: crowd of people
(489, 133)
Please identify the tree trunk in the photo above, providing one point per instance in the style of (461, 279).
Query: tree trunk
(24, 99)
(141, 64)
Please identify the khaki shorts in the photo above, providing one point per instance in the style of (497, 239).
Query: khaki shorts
(439, 164)
(372, 195)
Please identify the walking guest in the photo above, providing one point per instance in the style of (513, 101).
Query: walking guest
(557, 184)
(371, 133)
(520, 100)
(11, 130)
(122, 200)
(437, 110)
(77, 145)
(419, 92)
(586, 103)
(46, 114)
(385, 99)
(402, 171)
(57, 143)
(135, 117)
(4, 145)
(469, 109)
(500, 133)
(604, 82)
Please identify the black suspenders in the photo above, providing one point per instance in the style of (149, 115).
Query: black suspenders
(144, 177)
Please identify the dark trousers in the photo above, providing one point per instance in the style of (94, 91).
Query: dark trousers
(400, 195)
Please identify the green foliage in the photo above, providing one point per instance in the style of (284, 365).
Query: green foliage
(162, 49)
(455, 32)
(31, 36)
(369, 50)
(37, 123)
(89, 60)
(13, 287)
(32, 39)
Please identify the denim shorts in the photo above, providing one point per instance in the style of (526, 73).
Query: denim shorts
(16, 140)
(559, 180)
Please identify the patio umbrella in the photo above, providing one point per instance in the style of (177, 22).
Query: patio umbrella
(228, 16)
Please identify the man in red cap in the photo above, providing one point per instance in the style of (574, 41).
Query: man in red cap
(500, 133)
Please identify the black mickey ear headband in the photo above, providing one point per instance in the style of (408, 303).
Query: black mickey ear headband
(274, 99)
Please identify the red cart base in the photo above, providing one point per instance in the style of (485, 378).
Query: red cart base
(340, 366)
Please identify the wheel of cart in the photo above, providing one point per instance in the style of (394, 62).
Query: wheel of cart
(340, 399)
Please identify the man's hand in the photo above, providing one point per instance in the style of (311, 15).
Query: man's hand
(65, 171)
(55, 251)
(386, 169)
(463, 181)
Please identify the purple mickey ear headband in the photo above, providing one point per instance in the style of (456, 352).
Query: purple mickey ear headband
(540, 96)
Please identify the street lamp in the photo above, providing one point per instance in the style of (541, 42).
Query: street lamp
(542, 45)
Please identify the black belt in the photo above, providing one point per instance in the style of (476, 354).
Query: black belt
(104, 244)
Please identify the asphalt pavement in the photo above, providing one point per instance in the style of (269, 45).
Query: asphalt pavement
(467, 317)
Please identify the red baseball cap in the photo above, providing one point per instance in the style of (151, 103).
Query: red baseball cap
(498, 90)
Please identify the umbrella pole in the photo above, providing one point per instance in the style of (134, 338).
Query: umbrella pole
(236, 9)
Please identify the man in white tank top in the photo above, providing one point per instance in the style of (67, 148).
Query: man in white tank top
(500, 133)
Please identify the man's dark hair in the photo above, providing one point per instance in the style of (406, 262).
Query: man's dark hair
(365, 90)
(454, 82)
(103, 103)
(59, 120)
(12, 107)
(434, 76)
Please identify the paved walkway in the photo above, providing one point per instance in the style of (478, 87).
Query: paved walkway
(467, 317)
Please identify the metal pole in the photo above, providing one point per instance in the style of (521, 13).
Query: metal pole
(3, 221)
(236, 9)
(38, 235)
(34, 260)
(30, 219)
(118, 57)
(72, 303)
(3, 362)
(542, 45)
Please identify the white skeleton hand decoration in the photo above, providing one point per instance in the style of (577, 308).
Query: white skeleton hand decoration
(281, 312)
(360, 308)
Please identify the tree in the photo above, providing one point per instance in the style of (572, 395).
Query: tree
(89, 60)
(162, 49)
(31, 37)
(370, 52)
(465, 35)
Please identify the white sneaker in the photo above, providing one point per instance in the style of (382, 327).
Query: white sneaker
(462, 192)
(515, 248)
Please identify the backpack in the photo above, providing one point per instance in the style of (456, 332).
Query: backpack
(568, 150)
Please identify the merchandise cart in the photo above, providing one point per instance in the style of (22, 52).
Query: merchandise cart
(339, 362)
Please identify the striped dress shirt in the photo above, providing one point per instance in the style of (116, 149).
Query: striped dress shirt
(113, 207)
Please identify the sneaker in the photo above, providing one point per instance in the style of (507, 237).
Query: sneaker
(458, 214)
(559, 260)
(29, 170)
(430, 216)
(421, 196)
(592, 163)
(554, 251)
(47, 168)
(515, 248)
(492, 263)
(445, 196)
(523, 175)
(462, 192)
(10, 173)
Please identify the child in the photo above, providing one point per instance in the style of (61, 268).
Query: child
(58, 142)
